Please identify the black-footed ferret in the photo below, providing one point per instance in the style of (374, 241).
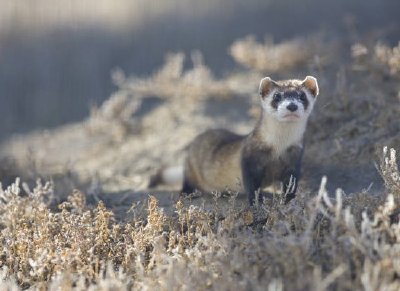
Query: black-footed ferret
(219, 160)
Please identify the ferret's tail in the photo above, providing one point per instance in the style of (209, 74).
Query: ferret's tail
(168, 175)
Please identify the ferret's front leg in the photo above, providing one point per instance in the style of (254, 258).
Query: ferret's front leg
(252, 175)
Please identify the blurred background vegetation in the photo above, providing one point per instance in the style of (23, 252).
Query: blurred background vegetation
(56, 57)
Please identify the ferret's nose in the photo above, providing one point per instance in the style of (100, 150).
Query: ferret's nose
(292, 107)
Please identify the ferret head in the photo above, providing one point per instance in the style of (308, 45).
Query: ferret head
(289, 100)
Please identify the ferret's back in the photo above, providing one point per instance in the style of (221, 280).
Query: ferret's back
(213, 161)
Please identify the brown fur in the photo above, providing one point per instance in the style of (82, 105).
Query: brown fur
(213, 162)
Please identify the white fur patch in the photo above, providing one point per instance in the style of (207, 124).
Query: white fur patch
(173, 175)
(281, 135)
(282, 111)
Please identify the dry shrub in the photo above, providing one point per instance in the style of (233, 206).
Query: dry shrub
(380, 56)
(170, 83)
(115, 115)
(390, 172)
(389, 56)
(269, 57)
(314, 243)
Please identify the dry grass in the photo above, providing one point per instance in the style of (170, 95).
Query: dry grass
(317, 242)
(390, 172)
(268, 57)
(387, 57)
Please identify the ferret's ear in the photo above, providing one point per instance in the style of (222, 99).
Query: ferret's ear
(311, 84)
(266, 85)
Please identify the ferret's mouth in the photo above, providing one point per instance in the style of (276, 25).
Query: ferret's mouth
(291, 116)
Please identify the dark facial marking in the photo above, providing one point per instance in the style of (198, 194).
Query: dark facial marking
(293, 94)
(303, 99)
(297, 95)
(276, 99)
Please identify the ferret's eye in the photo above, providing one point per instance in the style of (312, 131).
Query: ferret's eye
(303, 96)
(277, 97)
